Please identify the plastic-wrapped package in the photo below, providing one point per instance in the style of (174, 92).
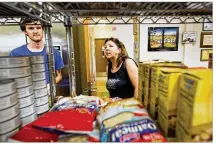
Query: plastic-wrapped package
(138, 131)
(94, 136)
(85, 138)
(127, 121)
(90, 107)
(84, 98)
(67, 121)
(112, 111)
(73, 138)
(114, 120)
(129, 127)
(90, 102)
(124, 102)
(31, 134)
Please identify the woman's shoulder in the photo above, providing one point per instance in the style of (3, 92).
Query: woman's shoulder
(129, 61)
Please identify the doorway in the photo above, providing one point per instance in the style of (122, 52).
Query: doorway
(101, 61)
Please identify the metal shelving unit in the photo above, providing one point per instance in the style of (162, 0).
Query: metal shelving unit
(77, 13)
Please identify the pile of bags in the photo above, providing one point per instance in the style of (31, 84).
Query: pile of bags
(90, 119)
(127, 121)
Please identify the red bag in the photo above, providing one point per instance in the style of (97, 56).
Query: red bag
(31, 134)
(67, 121)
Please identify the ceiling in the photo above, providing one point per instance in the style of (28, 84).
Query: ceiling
(133, 8)
(60, 10)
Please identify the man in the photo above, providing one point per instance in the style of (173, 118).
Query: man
(34, 29)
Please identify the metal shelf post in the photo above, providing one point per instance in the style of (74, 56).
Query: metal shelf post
(50, 53)
(71, 62)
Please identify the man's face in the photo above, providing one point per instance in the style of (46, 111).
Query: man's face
(34, 31)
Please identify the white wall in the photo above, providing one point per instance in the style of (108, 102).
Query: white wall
(123, 32)
(9, 42)
(167, 55)
(188, 53)
(192, 51)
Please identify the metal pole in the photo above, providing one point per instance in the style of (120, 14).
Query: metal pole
(51, 64)
(70, 55)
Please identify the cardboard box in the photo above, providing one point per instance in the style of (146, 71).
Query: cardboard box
(200, 136)
(167, 124)
(169, 80)
(146, 103)
(155, 73)
(140, 95)
(153, 110)
(146, 88)
(195, 100)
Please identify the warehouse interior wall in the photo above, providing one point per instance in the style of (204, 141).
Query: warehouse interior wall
(187, 53)
(10, 38)
(165, 55)
(123, 32)
(192, 52)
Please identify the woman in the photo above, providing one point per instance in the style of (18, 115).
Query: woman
(122, 71)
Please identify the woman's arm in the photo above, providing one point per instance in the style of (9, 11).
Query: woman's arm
(132, 70)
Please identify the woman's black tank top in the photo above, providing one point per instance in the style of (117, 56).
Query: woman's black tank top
(119, 84)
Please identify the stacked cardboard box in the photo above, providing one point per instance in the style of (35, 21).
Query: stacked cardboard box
(140, 81)
(147, 86)
(168, 96)
(194, 113)
(155, 72)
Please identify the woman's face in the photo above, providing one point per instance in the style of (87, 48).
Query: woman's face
(111, 50)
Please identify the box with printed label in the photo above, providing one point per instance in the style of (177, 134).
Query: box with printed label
(140, 95)
(167, 124)
(153, 110)
(140, 68)
(147, 70)
(141, 76)
(204, 135)
(155, 73)
(191, 121)
(146, 88)
(153, 96)
(139, 81)
(195, 100)
(169, 90)
(146, 103)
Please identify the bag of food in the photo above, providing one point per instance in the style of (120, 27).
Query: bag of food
(139, 130)
(30, 134)
(84, 138)
(115, 110)
(84, 98)
(94, 136)
(66, 121)
(74, 138)
(72, 103)
(123, 102)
